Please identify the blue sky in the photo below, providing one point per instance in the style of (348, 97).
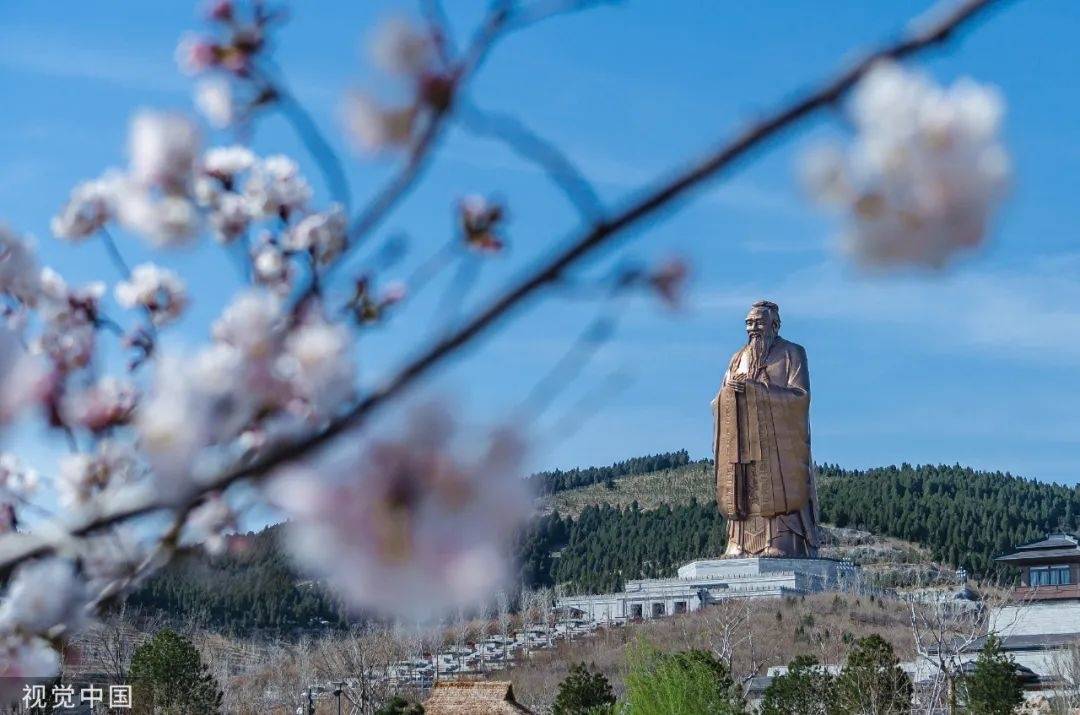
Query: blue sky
(976, 365)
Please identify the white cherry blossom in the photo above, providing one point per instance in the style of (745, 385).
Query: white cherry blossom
(15, 477)
(230, 217)
(254, 323)
(324, 234)
(22, 658)
(273, 270)
(399, 47)
(163, 148)
(276, 188)
(210, 522)
(85, 475)
(107, 403)
(924, 174)
(374, 127)
(412, 525)
(92, 204)
(158, 290)
(227, 162)
(165, 221)
(214, 99)
(29, 608)
(19, 275)
(317, 363)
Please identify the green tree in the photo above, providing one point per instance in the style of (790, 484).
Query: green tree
(806, 689)
(993, 688)
(583, 691)
(872, 682)
(689, 682)
(400, 706)
(168, 677)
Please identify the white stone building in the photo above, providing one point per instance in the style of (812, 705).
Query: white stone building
(701, 582)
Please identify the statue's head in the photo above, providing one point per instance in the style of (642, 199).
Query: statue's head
(763, 320)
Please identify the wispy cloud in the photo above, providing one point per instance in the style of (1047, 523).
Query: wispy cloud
(737, 193)
(35, 51)
(1019, 313)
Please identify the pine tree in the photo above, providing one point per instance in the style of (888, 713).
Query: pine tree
(872, 682)
(168, 677)
(993, 688)
(583, 691)
(806, 689)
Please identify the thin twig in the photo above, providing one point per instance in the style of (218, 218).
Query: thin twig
(567, 368)
(19, 547)
(532, 147)
(114, 253)
(500, 20)
(439, 24)
(324, 155)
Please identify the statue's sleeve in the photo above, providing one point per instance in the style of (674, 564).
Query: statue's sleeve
(798, 379)
(725, 442)
(782, 413)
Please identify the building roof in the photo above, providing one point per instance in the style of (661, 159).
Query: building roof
(1041, 641)
(1052, 541)
(1054, 546)
(473, 697)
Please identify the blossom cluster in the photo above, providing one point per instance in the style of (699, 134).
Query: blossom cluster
(924, 174)
(226, 58)
(409, 55)
(413, 524)
(266, 374)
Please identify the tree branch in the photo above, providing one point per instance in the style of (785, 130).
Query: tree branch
(19, 547)
(532, 147)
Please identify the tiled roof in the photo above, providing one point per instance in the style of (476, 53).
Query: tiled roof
(1052, 541)
(473, 697)
(1053, 546)
(1040, 555)
(1040, 641)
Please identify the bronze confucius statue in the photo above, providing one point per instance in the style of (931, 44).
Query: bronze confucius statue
(764, 474)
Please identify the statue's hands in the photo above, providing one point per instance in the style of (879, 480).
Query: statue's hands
(737, 383)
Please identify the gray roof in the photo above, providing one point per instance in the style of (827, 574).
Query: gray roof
(1053, 546)
(1042, 641)
(1042, 555)
(1052, 541)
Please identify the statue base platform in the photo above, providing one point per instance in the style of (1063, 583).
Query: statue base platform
(709, 581)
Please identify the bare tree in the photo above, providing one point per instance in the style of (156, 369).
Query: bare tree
(947, 630)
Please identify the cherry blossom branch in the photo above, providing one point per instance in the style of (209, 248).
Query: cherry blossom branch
(114, 253)
(318, 147)
(532, 147)
(16, 548)
(502, 19)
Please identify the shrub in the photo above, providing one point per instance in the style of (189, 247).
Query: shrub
(872, 682)
(806, 689)
(689, 682)
(583, 691)
(993, 687)
(169, 677)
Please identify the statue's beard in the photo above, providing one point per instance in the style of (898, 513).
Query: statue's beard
(759, 345)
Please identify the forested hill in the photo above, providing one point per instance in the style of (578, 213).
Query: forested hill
(559, 480)
(631, 522)
(966, 517)
(253, 590)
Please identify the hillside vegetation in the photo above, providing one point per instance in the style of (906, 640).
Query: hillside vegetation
(903, 524)
(952, 516)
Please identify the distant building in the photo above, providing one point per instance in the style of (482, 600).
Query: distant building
(1043, 617)
(705, 581)
(473, 697)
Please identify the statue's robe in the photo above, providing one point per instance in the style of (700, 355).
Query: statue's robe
(764, 474)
